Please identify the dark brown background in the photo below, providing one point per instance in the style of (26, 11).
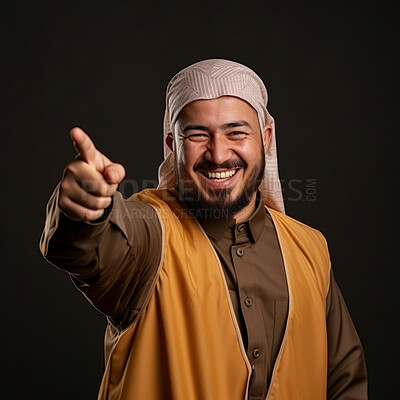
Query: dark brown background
(331, 72)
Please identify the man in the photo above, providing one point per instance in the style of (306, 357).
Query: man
(210, 290)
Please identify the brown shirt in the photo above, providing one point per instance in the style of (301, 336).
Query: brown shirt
(255, 275)
(114, 261)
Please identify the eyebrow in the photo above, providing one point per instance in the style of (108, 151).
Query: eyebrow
(233, 124)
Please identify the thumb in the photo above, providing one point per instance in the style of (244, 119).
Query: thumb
(114, 173)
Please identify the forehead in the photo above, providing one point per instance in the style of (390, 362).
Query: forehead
(220, 110)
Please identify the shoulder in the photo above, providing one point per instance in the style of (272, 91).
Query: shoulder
(304, 234)
(136, 219)
(161, 199)
(167, 204)
(304, 246)
(294, 226)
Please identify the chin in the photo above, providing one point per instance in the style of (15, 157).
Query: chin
(223, 206)
(217, 201)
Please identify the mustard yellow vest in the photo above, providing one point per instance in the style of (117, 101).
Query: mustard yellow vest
(186, 343)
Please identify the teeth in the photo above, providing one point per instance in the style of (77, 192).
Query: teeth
(220, 175)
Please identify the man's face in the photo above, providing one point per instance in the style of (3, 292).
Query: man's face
(219, 155)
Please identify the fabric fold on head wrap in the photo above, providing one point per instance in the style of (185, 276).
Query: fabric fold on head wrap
(210, 79)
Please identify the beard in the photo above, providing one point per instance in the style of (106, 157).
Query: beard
(220, 204)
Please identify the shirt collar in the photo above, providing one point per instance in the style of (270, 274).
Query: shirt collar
(254, 225)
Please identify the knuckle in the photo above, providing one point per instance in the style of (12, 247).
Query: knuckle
(112, 189)
(85, 216)
(90, 185)
(70, 168)
(91, 215)
(65, 206)
(83, 197)
(64, 185)
(98, 204)
(103, 188)
(74, 167)
(107, 202)
(61, 202)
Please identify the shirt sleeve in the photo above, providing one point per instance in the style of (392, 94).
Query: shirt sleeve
(347, 373)
(111, 261)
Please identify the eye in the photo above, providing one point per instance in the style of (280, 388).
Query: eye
(237, 135)
(197, 137)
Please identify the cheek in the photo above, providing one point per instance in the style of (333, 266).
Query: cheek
(249, 151)
(190, 153)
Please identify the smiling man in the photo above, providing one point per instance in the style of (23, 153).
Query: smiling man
(209, 289)
(220, 157)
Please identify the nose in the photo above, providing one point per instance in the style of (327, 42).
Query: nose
(218, 150)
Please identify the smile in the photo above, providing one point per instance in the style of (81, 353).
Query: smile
(219, 176)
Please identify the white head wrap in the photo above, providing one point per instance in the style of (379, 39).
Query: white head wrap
(214, 78)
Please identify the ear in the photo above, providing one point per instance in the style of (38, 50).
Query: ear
(169, 140)
(267, 136)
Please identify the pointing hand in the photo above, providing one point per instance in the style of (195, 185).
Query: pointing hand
(89, 181)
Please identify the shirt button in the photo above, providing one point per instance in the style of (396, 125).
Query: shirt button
(248, 301)
(240, 228)
(239, 252)
(256, 353)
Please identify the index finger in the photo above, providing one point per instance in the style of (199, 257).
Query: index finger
(83, 145)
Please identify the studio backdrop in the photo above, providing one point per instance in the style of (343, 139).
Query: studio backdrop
(330, 69)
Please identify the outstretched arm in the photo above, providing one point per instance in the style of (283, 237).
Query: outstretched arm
(110, 261)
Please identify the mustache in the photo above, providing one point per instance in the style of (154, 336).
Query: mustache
(210, 166)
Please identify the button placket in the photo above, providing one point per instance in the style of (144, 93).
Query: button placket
(253, 374)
